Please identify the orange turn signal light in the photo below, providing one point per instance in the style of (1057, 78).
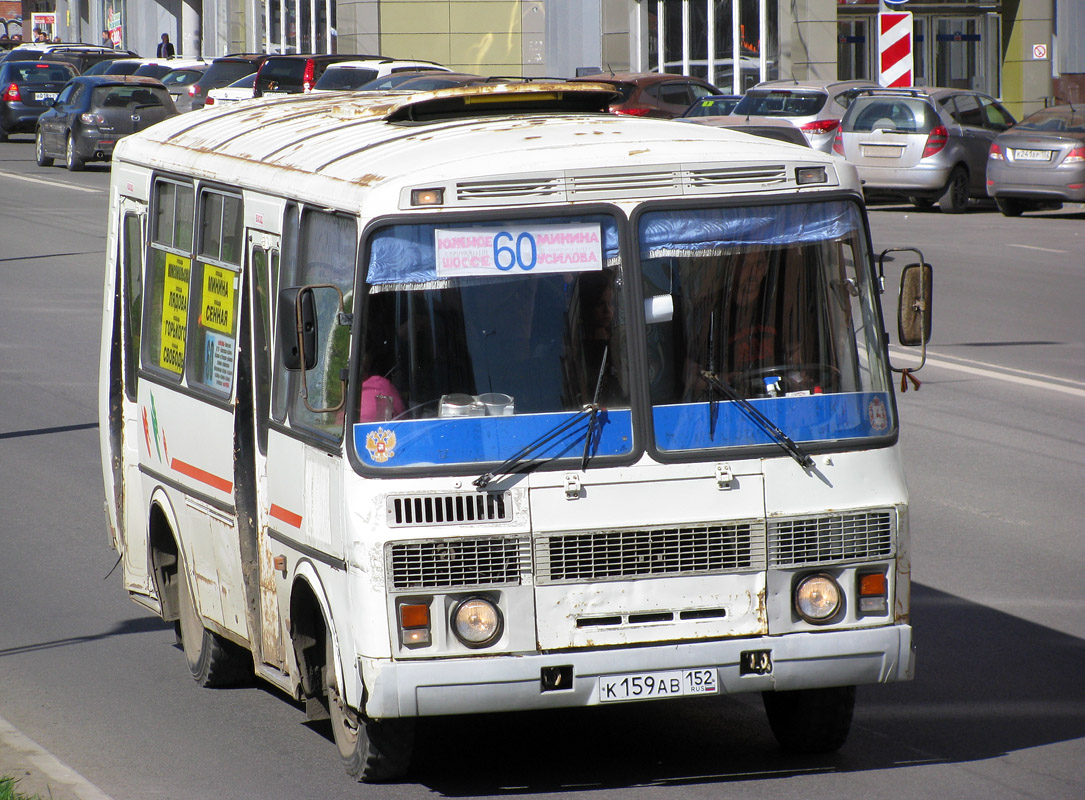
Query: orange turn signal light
(873, 585)
(414, 615)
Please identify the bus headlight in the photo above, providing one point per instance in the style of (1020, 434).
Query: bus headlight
(476, 621)
(818, 598)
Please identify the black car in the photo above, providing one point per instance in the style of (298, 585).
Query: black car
(92, 112)
(295, 74)
(222, 72)
(81, 56)
(27, 88)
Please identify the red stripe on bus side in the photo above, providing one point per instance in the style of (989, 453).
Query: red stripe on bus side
(202, 476)
(289, 517)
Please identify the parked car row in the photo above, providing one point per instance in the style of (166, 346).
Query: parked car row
(930, 145)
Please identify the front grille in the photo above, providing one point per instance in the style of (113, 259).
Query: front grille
(830, 539)
(448, 509)
(625, 554)
(625, 183)
(458, 563)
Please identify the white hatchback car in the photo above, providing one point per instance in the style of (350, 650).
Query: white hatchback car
(351, 75)
(814, 107)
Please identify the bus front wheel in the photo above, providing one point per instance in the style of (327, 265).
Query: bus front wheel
(212, 660)
(372, 750)
(811, 720)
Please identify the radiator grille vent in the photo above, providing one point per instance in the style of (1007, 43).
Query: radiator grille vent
(821, 540)
(730, 176)
(448, 509)
(678, 551)
(459, 563)
(544, 188)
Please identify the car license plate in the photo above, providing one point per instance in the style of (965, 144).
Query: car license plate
(882, 151)
(655, 685)
(1032, 155)
(42, 97)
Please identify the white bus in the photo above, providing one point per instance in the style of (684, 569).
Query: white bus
(486, 400)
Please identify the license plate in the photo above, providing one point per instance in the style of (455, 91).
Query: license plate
(882, 151)
(655, 685)
(45, 96)
(1032, 155)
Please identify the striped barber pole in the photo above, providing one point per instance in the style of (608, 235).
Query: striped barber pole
(895, 48)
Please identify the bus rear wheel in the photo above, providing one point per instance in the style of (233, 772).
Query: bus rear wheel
(212, 660)
(372, 750)
(811, 720)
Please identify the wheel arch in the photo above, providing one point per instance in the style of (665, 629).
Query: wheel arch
(310, 628)
(166, 554)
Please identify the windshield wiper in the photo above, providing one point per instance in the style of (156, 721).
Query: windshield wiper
(591, 411)
(507, 466)
(594, 409)
(767, 425)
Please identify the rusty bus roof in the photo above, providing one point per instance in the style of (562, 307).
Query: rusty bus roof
(326, 143)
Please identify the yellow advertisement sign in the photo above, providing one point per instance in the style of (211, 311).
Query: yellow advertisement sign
(217, 305)
(174, 313)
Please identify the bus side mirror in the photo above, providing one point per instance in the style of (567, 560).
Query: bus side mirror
(914, 305)
(297, 342)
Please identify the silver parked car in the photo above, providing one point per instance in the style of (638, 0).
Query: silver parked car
(814, 107)
(925, 143)
(1040, 162)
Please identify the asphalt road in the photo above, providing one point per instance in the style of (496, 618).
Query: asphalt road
(994, 446)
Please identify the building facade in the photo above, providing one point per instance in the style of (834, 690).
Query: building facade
(1027, 52)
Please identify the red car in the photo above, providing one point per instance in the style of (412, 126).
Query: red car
(653, 94)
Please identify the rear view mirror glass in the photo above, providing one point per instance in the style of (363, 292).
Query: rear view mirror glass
(297, 328)
(914, 305)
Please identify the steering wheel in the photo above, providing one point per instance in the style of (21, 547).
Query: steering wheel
(793, 378)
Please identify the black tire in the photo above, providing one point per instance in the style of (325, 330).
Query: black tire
(811, 720)
(39, 152)
(3, 135)
(954, 199)
(372, 751)
(921, 202)
(1010, 207)
(72, 159)
(212, 661)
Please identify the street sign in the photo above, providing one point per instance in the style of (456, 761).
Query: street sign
(1039, 52)
(895, 48)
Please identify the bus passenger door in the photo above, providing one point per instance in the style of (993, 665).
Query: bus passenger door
(132, 516)
(264, 251)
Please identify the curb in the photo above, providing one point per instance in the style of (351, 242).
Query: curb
(37, 771)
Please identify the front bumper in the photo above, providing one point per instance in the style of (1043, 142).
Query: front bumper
(513, 683)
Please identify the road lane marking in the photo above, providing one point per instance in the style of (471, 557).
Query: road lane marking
(998, 373)
(45, 182)
(1033, 247)
(45, 762)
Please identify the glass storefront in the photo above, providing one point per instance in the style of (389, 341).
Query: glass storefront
(298, 26)
(730, 43)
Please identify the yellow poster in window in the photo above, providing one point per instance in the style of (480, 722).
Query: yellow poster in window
(217, 305)
(174, 313)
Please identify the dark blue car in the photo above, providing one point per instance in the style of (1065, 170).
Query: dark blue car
(27, 88)
(93, 112)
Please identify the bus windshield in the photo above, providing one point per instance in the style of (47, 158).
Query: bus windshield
(534, 342)
(773, 303)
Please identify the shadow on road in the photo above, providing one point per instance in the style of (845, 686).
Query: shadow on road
(987, 684)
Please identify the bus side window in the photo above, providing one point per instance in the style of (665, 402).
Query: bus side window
(169, 267)
(216, 291)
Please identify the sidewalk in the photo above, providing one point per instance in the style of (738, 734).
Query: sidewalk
(38, 772)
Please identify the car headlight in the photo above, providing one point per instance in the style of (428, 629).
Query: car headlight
(476, 621)
(818, 598)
